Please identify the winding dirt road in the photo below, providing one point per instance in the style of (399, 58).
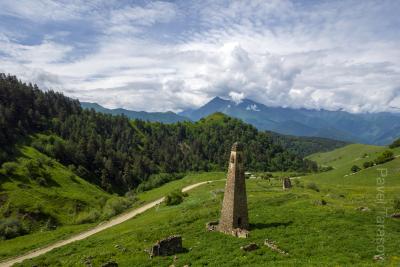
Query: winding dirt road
(117, 220)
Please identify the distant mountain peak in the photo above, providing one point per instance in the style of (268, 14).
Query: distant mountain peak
(368, 128)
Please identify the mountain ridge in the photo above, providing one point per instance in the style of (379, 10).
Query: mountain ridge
(369, 128)
(164, 117)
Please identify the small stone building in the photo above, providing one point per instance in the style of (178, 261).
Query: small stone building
(234, 215)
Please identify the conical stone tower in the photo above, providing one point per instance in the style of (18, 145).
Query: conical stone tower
(234, 215)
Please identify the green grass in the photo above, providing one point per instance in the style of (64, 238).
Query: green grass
(47, 212)
(67, 199)
(335, 234)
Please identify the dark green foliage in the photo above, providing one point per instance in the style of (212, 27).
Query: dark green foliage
(355, 168)
(119, 154)
(174, 198)
(395, 143)
(115, 206)
(313, 186)
(9, 168)
(385, 157)
(368, 164)
(10, 228)
(325, 168)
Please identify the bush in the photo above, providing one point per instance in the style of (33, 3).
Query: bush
(9, 168)
(33, 168)
(313, 186)
(355, 169)
(87, 216)
(368, 164)
(10, 228)
(174, 198)
(395, 144)
(325, 168)
(115, 206)
(131, 196)
(384, 157)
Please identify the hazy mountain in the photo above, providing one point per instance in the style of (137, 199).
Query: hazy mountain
(165, 117)
(369, 128)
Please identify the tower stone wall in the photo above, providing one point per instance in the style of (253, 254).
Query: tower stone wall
(234, 213)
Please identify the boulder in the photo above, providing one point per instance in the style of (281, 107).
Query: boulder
(211, 226)
(271, 244)
(249, 247)
(166, 247)
(241, 233)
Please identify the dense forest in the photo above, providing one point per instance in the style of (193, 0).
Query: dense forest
(119, 154)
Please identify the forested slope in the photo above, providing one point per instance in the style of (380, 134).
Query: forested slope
(119, 154)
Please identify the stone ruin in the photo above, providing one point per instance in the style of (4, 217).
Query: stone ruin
(167, 247)
(234, 215)
(286, 183)
(249, 247)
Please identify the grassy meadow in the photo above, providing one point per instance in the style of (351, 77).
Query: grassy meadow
(318, 225)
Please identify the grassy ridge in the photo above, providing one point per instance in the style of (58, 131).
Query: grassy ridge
(314, 234)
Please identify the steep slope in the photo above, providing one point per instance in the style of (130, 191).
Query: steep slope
(165, 117)
(369, 128)
(42, 200)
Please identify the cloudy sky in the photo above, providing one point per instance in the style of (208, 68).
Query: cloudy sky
(159, 56)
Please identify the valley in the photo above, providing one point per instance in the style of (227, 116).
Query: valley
(296, 220)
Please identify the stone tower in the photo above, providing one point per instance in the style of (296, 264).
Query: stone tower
(234, 214)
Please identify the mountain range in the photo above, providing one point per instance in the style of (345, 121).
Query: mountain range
(165, 117)
(368, 128)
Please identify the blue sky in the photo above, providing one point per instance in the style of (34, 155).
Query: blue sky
(159, 56)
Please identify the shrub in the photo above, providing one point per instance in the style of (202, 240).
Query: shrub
(9, 168)
(395, 144)
(368, 164)
(174, 198)
(313, 186)
(325, 168)
(10, 228)
(384, 157)
(131, 196)
(355, 168)
(87, 216)
(115, 206)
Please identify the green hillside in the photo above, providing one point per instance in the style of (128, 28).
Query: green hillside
(327, 219)
(41, 201)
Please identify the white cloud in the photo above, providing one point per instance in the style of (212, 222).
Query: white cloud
(166, 56)
(236, 97)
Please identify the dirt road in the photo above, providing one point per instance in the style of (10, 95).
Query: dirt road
(117, 220)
